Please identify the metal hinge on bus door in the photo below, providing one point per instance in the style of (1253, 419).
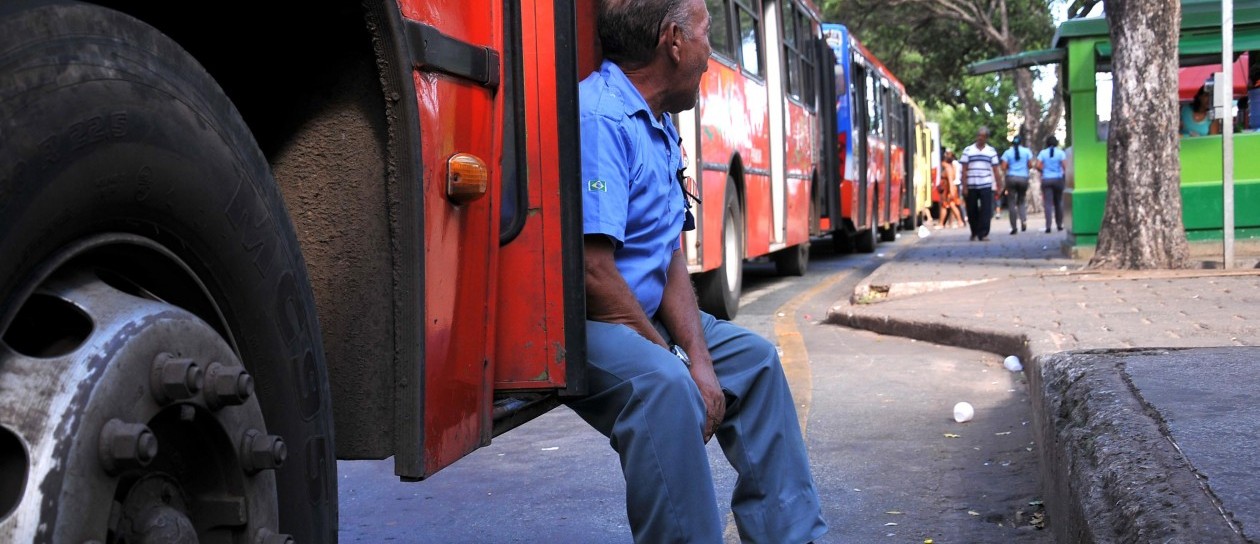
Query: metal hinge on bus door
(433, 51)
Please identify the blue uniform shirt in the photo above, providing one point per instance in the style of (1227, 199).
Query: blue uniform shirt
(1017, 167)
(1051, 159)
(630, 164)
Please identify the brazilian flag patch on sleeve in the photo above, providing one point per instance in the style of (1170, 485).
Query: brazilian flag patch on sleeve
(596, 186)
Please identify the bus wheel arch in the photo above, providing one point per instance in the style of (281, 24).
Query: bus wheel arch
(718, 290)
(794, 260)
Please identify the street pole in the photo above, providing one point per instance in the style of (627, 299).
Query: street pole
(1227, 128)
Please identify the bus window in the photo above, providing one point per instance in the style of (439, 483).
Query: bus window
(798, 54)
(791, 68)
(809, 63)
(893, 103)
(842, 82)
(874, 105)
(720, 28)
(749, 36)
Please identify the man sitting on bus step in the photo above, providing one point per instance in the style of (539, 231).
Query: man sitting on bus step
(664, 377)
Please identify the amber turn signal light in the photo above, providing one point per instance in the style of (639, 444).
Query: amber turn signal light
(467, 178)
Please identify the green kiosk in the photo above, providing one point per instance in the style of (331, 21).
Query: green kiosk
(1083, 49)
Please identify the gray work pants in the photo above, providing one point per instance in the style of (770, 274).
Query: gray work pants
(1016, 193)
(1052, 199)
(645, 401)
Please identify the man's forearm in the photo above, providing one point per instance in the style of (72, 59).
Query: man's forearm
(608, 297)
(679, 312)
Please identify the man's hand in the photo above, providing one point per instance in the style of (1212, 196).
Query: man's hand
(711, 391)
(681, 318)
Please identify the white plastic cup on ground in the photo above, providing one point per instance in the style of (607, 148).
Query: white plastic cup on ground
(1012, 364)
(963, 412)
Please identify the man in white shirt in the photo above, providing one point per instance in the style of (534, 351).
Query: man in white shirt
(980, 181)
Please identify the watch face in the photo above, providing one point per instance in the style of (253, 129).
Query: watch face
(682, 355)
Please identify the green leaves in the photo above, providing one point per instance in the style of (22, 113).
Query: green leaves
(929, 43)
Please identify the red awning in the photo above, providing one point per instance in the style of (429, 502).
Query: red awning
(1193, 77)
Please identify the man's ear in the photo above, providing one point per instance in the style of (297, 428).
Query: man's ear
(672, 39)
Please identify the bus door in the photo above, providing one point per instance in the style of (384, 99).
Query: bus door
(831, 89)
(892, 105)
(862, 90)
(910, 135)
(500, 261)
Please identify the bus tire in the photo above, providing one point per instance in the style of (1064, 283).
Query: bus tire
(888, 233)
(719, 289)
(841, 241)
(793, 261)
(866, 240)
(129, 179)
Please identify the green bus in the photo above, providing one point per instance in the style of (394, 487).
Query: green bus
(1082, 47)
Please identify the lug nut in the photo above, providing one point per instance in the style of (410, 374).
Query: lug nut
(266, 536)
(227, 386)
(260, 451)
(125, 446)
(174, 379)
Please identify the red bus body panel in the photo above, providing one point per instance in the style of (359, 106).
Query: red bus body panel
(461, 248)
(530, 331)
(801, 157)
(734, 130)
(872, 198)
(494, 309)
(732, 140)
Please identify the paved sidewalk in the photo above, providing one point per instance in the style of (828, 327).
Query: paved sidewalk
(1127, 455)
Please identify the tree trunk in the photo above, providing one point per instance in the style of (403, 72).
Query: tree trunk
(1141, 225)
(1028, 103)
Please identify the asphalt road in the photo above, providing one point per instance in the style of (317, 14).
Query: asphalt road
(890, 462)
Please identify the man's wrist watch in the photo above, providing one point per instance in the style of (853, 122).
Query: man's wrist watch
(682, 355)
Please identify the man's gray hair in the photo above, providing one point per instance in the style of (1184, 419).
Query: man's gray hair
(630, 29)
(983, 130)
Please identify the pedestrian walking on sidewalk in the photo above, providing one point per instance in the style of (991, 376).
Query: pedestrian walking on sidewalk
(662, 376)
(1050, 164)
(1015, 162)
(980, 162)
(950, 200)
(958, 182)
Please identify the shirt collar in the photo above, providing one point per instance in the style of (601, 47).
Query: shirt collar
(630, 96)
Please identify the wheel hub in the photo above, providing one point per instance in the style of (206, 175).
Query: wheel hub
(145, 407)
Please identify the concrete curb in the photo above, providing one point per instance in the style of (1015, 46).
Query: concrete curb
(1110, 472)
(874, 288)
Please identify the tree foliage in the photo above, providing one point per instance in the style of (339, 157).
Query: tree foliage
(974, 109)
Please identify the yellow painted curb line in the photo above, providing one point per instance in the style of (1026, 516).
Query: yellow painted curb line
(795, 358)
(795, 361)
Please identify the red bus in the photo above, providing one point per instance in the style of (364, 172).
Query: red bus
(368, 228)
(213, 263)
(867, 197)
(754, 142)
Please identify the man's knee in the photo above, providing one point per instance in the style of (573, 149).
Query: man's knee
(671, 388)
(763, 350)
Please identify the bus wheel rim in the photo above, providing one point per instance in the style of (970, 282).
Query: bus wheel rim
(125, 409)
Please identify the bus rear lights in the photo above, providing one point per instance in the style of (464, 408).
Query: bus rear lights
(467, 178)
